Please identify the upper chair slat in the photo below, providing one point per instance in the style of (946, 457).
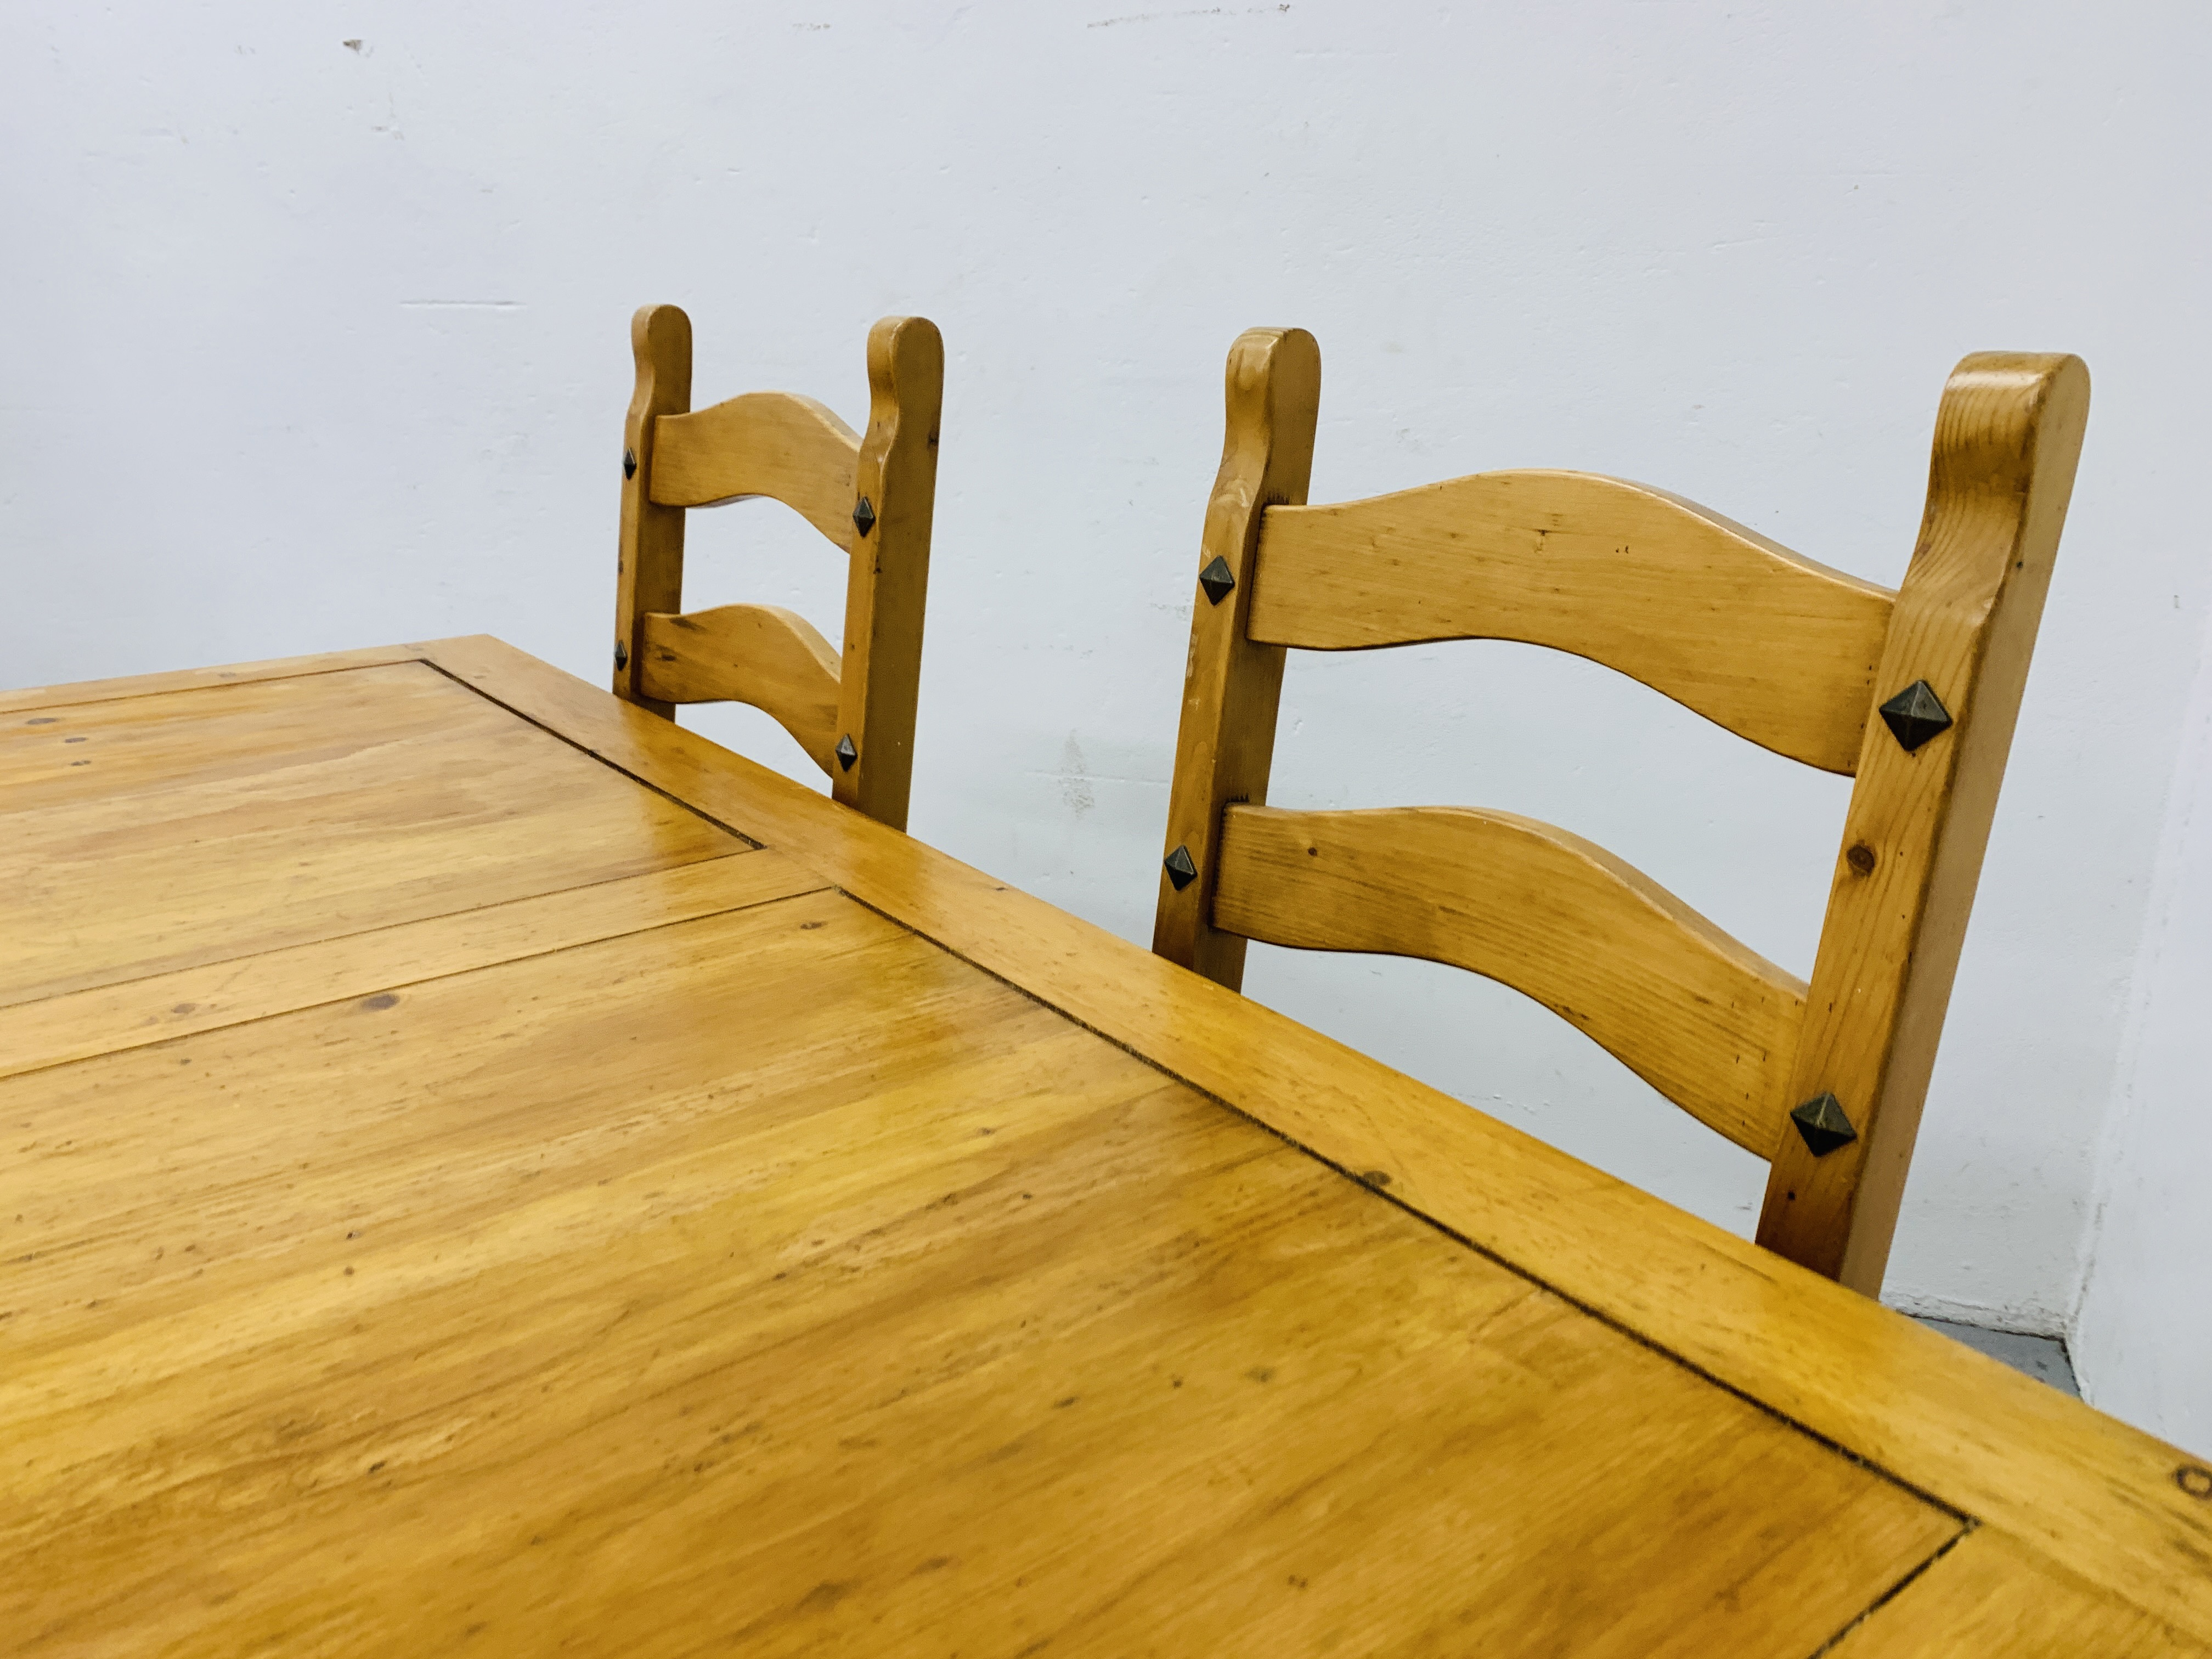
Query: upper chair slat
(763, 443)
(1700, 1016)
(1770, 645)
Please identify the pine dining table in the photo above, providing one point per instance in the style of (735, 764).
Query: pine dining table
(488, 1171)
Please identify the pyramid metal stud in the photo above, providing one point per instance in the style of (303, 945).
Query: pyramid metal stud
(1821, 1121)
(1181, 871)
(622, 656)
(629, 464)
(1916, 714)
(864, 517)
(846, 753)
(1217, 580)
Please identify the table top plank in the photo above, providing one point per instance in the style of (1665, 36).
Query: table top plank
(32, 699)
(150, 833)
(949, 1321)
(1992, 1594)
(2076, 1486)
(132, 1013)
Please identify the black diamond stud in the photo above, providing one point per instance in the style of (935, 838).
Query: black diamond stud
(846, 753)
(864, 517)
(1916, 714)
(622, 656)
(1217, 580)
(1181, 871)
(629, 464)
(1821, 1121)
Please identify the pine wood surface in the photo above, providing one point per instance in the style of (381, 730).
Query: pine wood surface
(30, 700)
(712, 1228)
(107, 1018)
(2008, 433)
(760, 654)
(877, 1309)
(2073, 1485)
(649, 556)
(1794, 656)
(1991, 1595)
(873, 494)
(879, 673)
(1765, 642)
(776, 444)
(1225, 741)
(151, 834)
(1702, 1017)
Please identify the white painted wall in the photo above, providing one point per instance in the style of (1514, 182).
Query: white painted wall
(308, 344)
(2144, 1341)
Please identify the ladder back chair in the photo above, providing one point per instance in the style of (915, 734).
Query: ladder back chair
(1912, 693)
(872, 495)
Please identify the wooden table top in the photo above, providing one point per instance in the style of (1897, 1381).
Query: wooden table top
(490, 1172)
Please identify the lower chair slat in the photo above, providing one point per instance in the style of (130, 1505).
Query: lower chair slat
(760, 654)
(1706, 1021)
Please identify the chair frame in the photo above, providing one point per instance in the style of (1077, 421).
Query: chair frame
(1826, 1081)
(873, 496)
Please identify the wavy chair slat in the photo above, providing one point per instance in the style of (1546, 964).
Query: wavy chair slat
(765, 443)
(1808, 662)
(873, 496)
(760, 654)
(1770, 645)
(1703, 1018)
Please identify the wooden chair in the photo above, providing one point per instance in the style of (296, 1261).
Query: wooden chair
(873, 496)
(1913, 693)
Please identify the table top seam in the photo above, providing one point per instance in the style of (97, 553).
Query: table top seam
(383, 927)
(403, 984)
(1896, 1590)
(9, 707)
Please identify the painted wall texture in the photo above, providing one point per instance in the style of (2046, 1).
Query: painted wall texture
(315, 334)
(2143, 1343)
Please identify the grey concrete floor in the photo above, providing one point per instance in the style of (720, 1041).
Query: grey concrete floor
(2043, 1357)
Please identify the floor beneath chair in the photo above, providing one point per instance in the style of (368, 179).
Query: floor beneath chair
(2043, 1357)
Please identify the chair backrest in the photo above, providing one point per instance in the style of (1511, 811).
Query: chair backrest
(1912, 693)
(872, 495)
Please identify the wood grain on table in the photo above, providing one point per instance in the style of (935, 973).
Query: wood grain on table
(778, 1278)
(154, 833)
(2123, 1511)
(827, 1248)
